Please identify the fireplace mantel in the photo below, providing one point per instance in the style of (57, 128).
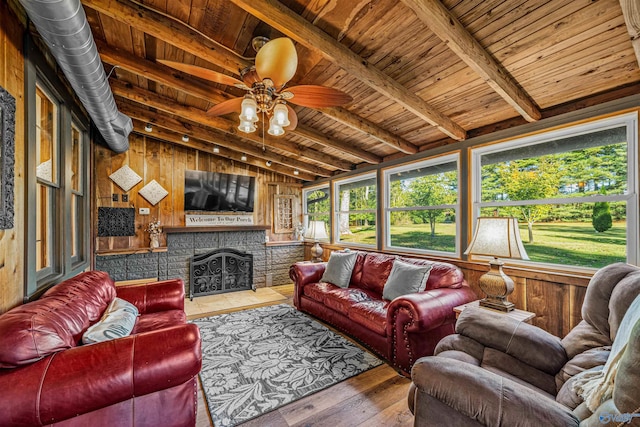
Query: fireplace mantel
(213, 229)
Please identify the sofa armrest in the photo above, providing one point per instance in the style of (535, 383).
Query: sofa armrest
(527, 343)
(90, 377)
(303, 273)
(155, 296)
(447, 389)
(416, 322)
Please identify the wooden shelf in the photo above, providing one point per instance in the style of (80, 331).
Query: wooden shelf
(129, 251)
(213, 229)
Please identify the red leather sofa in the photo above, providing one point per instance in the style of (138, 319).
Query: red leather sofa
(400, 331)
(148, 378)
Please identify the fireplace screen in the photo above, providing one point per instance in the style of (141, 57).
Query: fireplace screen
(222, 270)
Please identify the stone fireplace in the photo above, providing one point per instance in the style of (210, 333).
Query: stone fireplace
(219, 271)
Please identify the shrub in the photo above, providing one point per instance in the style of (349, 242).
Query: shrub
(601, 218)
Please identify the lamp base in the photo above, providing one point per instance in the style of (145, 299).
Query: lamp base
(316, 252)
(497, 304)
(497, 286)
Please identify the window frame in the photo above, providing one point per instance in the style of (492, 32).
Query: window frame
(335, 235)
(629, 120)
(38, 71)
(305, 208)
(387, 209)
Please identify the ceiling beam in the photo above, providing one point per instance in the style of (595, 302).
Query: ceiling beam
(215, 138)
(188, 84)
(447, 27)
(288, 22)
(173, 137)
(170, 106)
(631, 12)
(170, 30)
(354, 121)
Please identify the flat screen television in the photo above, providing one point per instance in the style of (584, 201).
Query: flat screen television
(218, 192)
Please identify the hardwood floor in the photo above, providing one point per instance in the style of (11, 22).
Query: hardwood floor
(377, 397)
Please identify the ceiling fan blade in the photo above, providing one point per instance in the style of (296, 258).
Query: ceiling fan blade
(293, 119)
(318, 96)
(225, 107)
(250, 77)
(203, 73)
(278, 61)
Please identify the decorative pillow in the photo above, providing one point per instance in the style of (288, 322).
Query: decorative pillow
(339, 268)
(405, 279)
(117, 321)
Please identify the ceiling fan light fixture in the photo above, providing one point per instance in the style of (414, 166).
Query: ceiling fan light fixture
(249, 110)
(281, 115)
(246, 127)
(274, 128)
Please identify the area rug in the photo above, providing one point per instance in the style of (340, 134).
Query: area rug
(255, 361)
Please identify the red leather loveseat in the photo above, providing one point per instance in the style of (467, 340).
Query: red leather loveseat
(400, 331)
(148, 378)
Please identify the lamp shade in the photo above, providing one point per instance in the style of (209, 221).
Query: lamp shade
(498, 237)
(316, 231)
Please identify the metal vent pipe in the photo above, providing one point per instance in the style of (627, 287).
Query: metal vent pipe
(63, 26)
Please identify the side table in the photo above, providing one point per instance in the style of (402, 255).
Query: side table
(519, 315)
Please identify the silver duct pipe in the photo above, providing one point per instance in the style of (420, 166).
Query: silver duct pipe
(63, 26)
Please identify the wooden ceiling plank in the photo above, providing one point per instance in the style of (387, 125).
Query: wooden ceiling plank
(631, 12)
(164, 27)
(206, 145)
(448, 28)
(354, 121)
(313, 135)
(194, 114)
(294, 26)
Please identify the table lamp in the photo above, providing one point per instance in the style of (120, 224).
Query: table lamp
(497, 237)
(315, 232)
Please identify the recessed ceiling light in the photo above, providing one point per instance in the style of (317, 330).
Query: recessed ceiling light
(148, 127)
(185, 138)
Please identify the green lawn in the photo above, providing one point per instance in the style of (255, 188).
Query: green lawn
(556, 243)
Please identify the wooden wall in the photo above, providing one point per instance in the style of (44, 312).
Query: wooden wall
(167, 163)
(555, 297)
(12, 80)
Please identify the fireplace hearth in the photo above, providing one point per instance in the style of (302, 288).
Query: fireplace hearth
(219, 271)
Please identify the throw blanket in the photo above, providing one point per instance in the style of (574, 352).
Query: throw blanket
(596, 386)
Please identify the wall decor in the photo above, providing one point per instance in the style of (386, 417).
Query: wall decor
(7, 157)
(116, 222)
(125, 178)
(283, 208)
(153, 192)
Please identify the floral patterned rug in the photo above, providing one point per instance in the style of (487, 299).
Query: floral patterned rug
(255, 361)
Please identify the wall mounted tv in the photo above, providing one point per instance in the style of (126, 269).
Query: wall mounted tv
(218, 192)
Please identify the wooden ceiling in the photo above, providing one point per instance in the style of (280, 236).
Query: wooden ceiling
(422, 73)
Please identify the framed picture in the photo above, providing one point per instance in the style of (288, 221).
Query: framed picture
(7, 157)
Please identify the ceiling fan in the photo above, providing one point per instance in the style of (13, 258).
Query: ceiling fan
(275, 64)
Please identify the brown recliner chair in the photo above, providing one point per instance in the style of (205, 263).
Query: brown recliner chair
(496, 371)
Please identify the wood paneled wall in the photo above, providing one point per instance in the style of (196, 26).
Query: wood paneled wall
(12, 80)
(555, 297)
(167, 163)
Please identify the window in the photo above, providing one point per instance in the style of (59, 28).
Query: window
(317, 206)
(421, 206)
(574, 191)
(57, 196)
(356, 210)
(48, 185)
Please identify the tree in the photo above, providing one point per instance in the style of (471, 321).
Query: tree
(530, 179)
(432, 190)
(601, 218)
